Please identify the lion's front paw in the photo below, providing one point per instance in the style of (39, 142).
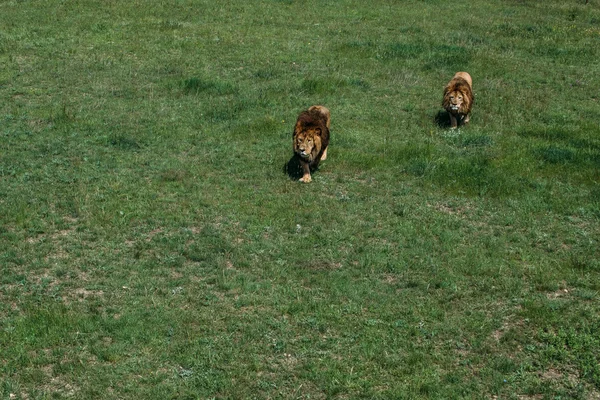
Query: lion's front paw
(306, 179)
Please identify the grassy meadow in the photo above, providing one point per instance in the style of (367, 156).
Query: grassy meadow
(153, 244)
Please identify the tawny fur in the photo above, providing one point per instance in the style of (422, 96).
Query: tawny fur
(458, 98)
(311, 139)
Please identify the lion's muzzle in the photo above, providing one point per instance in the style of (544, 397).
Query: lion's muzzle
(304, 155)
(302, 152)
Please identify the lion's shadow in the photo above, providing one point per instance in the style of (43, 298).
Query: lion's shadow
(293, 168)
(442, 119)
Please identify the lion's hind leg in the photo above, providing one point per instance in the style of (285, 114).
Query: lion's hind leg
(324, 156)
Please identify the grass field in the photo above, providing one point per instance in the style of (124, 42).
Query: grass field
(152, 245)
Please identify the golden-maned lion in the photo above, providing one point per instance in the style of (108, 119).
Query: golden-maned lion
(458, 98)
(311, 138)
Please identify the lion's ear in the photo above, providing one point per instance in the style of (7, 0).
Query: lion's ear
(318, 131)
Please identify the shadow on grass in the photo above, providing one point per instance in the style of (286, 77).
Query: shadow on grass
(124, 142)
(293, 168)
(442, 119)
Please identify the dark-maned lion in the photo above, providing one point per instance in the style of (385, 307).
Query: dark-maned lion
(458, 98)
(311, 138)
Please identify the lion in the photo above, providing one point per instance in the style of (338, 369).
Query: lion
(311, 139)
(458, 98)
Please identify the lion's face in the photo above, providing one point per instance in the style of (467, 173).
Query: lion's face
(307, 144)
(455, 100)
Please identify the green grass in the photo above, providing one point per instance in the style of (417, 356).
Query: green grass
(152, 245)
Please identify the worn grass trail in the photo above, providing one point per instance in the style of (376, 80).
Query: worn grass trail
(152, 245)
